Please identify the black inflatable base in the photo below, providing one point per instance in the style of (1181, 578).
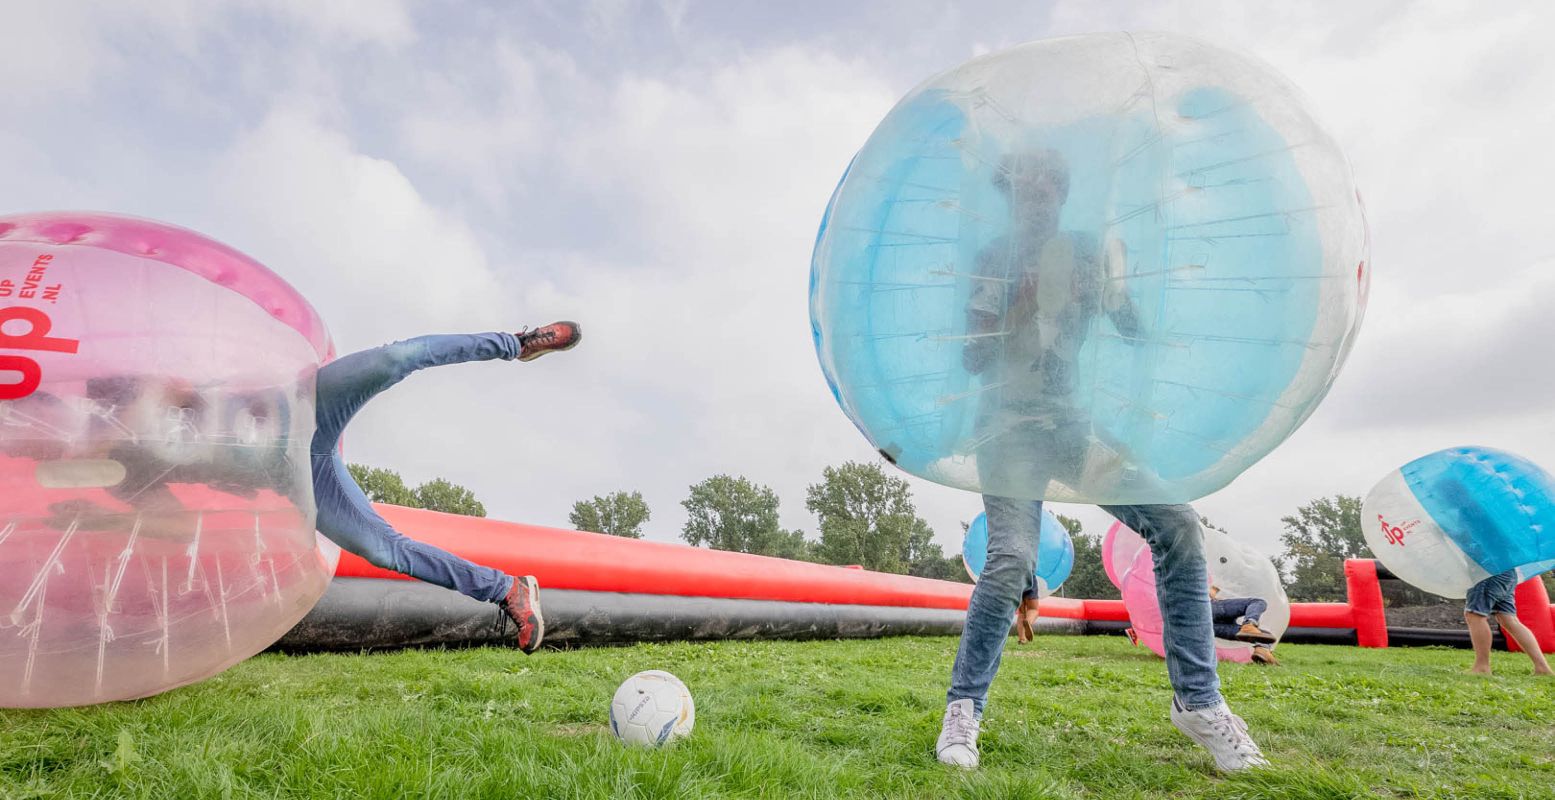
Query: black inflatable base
(372, 614)
(368, 613)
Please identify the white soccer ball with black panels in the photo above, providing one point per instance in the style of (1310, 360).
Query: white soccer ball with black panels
(652, 708)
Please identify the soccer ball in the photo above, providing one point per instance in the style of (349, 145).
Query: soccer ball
(652, 708)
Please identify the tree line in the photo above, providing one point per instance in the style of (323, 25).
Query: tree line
(866, 517)
(386, 486)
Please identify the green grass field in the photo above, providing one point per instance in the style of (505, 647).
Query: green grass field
(1069, 717)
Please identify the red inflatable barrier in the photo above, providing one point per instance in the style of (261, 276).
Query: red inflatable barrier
(1533, 610)
(1321, 615)
(1365, 594)
(563, 559)
(1092, 610)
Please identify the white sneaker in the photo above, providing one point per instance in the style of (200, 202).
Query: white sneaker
(958, 736)
(1224, 733)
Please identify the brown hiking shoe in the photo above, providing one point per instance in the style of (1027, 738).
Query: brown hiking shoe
(522, 605)
(1265, 656)
(552, 338)
(1250, 632)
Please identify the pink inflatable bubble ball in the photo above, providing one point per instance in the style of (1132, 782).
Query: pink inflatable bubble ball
(156, 409)
(1236, 569)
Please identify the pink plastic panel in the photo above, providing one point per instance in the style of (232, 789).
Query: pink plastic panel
(184, 249)
(1118, 549)
(156, 407)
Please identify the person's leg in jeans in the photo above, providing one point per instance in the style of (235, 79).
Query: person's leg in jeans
(1008, 573)
(1234, 612)
(348, 519)
(344, 513)
(1013, 530)
(1182, 589)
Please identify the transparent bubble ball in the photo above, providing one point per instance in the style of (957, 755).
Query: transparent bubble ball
(156, 411)
(1453, 518)
(1113, 268)
(1236, 569)
(1055, 552)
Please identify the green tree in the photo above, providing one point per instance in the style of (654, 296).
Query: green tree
(382, 485)
(945, 568)
(617, 513)
(867, 517)
(731, 513)
(1317, 539)
(1088, 580)
(386, 486)
(450, 498)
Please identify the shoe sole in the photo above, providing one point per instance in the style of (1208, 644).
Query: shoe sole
(532, 590)
(1256, 638)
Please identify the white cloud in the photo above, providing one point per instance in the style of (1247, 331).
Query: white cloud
(492, 119)
(383, 22)
(51, 50)
(54, 50)
(352, 233)
(698, 336)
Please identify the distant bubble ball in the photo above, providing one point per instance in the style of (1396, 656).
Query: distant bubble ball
(1114, 268)
(1447, 521)
(1055, 552)
(1236, 570)
(156, 505)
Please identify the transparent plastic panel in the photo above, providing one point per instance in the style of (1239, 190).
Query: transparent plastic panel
(156, 510)
(1107, 269)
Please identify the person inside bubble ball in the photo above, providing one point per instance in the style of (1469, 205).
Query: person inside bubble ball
(1236, 619)
(343, 386)
(348, 519)
(1495, 596)
(1037, 294)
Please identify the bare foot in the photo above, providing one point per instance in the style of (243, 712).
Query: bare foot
(1026, 620)
(1479, 671)
(1546, 671)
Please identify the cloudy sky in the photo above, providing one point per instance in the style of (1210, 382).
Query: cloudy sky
(657, 171)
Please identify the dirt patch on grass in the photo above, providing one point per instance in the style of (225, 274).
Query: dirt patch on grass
(1440, 616)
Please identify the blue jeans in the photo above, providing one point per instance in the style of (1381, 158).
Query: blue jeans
(1182, 584)
(345, 515)
(1226, 612)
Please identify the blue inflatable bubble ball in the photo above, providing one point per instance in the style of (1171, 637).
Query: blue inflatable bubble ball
(1055, 552)
(1451, 519)
(1114, 268)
